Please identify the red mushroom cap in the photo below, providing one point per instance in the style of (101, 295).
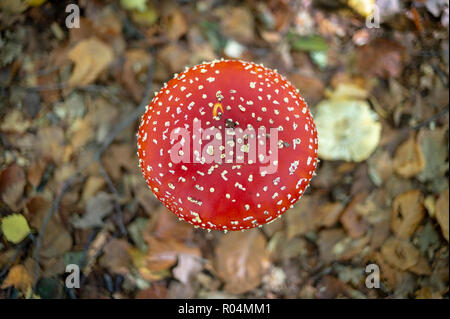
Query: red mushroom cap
(237, 179)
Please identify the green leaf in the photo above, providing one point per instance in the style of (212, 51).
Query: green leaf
(15, 228)
(307, 43)
(139, 5)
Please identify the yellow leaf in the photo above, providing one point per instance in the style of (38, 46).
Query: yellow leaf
(15, 228)
(36, 3)
(19, 277)
(363, 7)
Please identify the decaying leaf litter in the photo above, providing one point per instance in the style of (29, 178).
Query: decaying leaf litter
(71, 191)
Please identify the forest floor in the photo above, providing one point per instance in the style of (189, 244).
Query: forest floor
(71, 191)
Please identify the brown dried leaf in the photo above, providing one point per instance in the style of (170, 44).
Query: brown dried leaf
(50, 144)
(188, 266)
(56, 239)
(311, 88)
(91, 57)
(176, 24)
(168, 226)
(442, 208)
(354, 223)
(409, 159)
(35, 172)
(241, 260)
(407, 213)
(174, 56)
(97, 208)
(237, 23)
(400, 253)
(116, 257)
(136, 63)
(311, 213)
(12, 184)
(18, 277)
(163, 253)
(157, 290)
(381, 57)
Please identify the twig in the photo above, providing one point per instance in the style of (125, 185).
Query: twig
(103, 147)
(431, 119)
(113, 190)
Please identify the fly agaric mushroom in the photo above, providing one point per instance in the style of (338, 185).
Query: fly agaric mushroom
(227, 145)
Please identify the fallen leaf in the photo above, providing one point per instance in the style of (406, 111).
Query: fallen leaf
(407, 213)
(174, 56)
(12, 184)
(241, 260)
(139, 5)
(354, 223)
(15, 228)
(97, 208)
(400, 253)
(237, 23)
(116, 257)
(35, 172)
(409, 159)
(56, 239)
(311, 88)
(433, 145)
(422, 268)
(157, 290)
(427, 293)
(442, 208)
(188, 266)
(19, 278)
(136, 63)
(163, 253)
(50, 144)
(330, 287)
(91, 187)
(176, 24)
(381, 57)
(91, 57)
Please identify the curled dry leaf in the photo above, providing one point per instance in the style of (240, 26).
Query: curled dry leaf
(241, 260)
(400, 253)
(442, 208)
(409, 160)
(407, 213)
(91, 57)
(309, 214)
(12, 184)
(353, 222)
